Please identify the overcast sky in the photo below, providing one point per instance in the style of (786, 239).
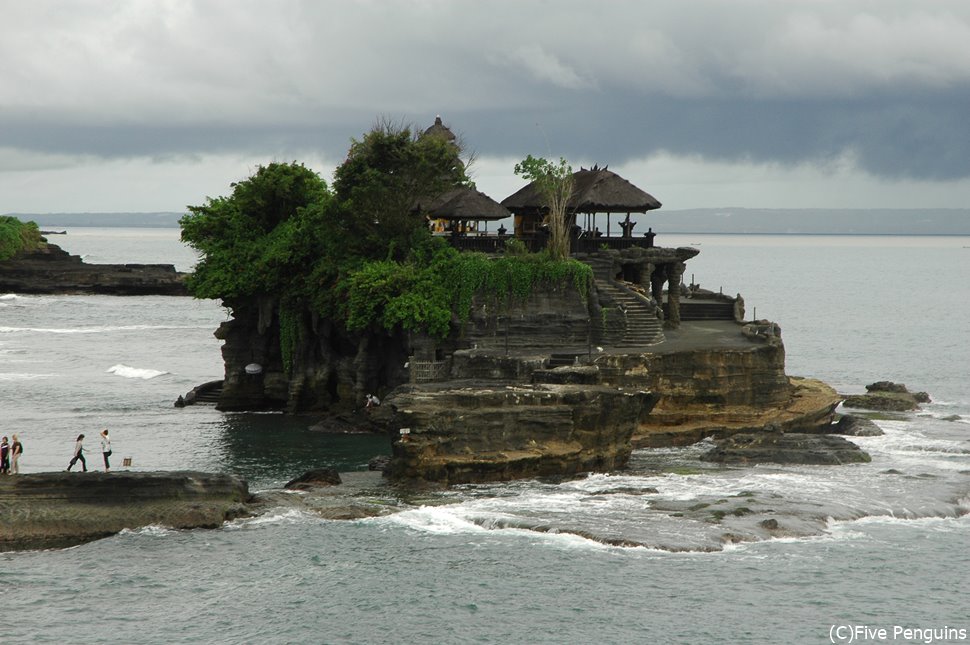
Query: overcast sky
(131, 105)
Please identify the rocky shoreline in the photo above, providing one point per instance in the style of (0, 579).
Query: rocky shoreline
(57, 510)
(52, 270)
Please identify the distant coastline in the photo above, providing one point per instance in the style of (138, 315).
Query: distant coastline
(731, 221)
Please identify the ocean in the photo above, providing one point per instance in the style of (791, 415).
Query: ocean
(867, 547)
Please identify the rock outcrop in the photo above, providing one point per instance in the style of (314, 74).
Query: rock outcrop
(783, 448)
(887, 396)
(474, 432)
(50, 269)
(54, 510)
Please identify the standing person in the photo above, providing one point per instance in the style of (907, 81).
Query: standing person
(78, 454)
(105, 449)
(16, 449)
(4, 456)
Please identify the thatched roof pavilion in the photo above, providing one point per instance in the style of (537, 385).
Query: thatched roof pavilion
(596, 190)
(463, 204)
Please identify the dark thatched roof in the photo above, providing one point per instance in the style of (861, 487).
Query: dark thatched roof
(438, 129)
(463, 204)
(594, 191)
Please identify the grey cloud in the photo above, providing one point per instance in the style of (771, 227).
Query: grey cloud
(785, 82)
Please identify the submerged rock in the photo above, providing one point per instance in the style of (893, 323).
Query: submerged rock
(780, 448)
(56, 510)
(854, 426)
(314, 478)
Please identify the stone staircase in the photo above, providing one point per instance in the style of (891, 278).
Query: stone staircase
(205, 393)
(632, 321)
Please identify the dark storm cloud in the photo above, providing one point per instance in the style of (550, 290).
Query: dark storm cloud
(762, 81)
(923, 138)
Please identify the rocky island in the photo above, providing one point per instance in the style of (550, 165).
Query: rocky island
(547, 350)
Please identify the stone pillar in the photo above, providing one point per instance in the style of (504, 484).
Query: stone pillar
(657, 277)
(675, 272)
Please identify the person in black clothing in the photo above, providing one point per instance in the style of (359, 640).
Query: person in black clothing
(79, 454)
(4, 456)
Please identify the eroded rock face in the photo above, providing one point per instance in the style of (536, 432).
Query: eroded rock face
(53, 270)
(54, 510)
(782, 448)
(488, 432)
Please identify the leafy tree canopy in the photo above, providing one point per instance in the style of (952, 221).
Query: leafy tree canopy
(383, 178)
(17, 236)
(259, 239)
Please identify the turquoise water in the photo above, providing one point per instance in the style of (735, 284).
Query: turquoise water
(880, 544)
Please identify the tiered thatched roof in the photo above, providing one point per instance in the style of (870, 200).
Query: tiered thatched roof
(596, 190)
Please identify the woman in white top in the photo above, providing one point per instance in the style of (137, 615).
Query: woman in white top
(15, 449)
(105, 449)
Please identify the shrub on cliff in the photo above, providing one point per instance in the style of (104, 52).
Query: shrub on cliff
(17, 236)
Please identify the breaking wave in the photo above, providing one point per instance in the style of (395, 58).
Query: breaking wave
(134, 372)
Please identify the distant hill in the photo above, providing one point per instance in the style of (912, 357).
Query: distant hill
(796, 221)
(812, 221)
(125, 220)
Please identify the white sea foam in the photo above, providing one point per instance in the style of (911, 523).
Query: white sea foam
(134, 372)
(289, 516)
(151, 530)
(9, 296)
(440, 520)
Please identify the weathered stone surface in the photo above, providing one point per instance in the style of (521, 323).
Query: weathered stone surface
(887, 396)
(53, 270)
(314, 478)
(854, 426)
(53, 510)
(484, 432)
(782, 448)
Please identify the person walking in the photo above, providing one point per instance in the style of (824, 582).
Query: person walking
(78, 454)
(106, 449)
(4, 456)
(16, 449)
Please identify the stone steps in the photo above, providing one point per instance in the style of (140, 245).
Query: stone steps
(632, 322)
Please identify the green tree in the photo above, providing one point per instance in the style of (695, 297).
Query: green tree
(554, 182)
(384, 177)
(261, 239)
